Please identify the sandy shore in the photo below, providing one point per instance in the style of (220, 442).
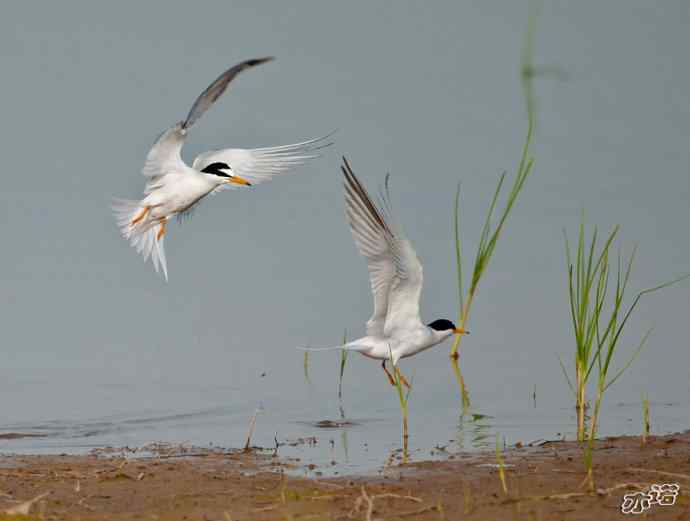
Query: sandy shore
(543, 482)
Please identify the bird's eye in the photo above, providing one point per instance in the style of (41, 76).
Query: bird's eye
(217, 169)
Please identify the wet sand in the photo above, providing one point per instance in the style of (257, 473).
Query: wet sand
(543, 482)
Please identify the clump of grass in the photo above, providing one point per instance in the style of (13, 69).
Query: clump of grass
(597, 332)
(586, 290)
(490, 234)
(596, 335)
(487, 245)
(645, 418)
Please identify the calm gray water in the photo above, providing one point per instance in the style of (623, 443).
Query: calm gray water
(97, 350)
(208, 415)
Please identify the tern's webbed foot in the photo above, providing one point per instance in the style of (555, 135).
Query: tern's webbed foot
(161, 230)
(140, 216)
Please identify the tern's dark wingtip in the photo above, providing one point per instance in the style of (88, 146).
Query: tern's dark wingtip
(346, 168)
(259, 61)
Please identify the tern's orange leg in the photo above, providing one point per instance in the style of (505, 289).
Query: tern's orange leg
(141, 215)
(390, 376)
(161, 230)
(403, 380)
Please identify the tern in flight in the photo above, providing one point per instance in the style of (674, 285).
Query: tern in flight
(395, 330)
(173, 188)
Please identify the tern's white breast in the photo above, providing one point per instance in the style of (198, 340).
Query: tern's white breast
(179, 191)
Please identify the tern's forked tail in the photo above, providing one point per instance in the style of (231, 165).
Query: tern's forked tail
(351, 346)
(143, 233)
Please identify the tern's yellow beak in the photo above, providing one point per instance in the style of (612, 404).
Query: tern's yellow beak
(238, 180)
(460, 331)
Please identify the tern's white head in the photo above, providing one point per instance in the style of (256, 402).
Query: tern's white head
(443, 328)
(221, 173)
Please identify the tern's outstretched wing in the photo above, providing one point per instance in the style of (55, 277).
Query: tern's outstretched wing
(395, 272)
(259, 165)
(217, 88)
(164, 156)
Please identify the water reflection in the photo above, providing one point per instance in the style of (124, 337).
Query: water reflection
(464, 394)
(474, 430)
(343, 439)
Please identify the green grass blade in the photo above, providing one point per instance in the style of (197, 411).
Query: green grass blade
(458, 245)
(565, 373)
(640, 295)
(487, 223)
(481, 259)
(343, 361)
(488, 238)
(306, 367)
(630, 361)
(527, 69)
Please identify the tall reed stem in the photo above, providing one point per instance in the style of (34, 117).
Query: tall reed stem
(403, 397)
(580, 402)
(405, 413)
(464, 394)
(489, 237)
(645, 418)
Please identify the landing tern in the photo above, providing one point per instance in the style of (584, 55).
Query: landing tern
(173, 188)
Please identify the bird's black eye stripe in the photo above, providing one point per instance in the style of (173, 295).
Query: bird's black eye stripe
(441, 325)
(216, 169)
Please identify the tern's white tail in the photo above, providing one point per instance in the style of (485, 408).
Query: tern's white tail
(351, 346)
(143, 235)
